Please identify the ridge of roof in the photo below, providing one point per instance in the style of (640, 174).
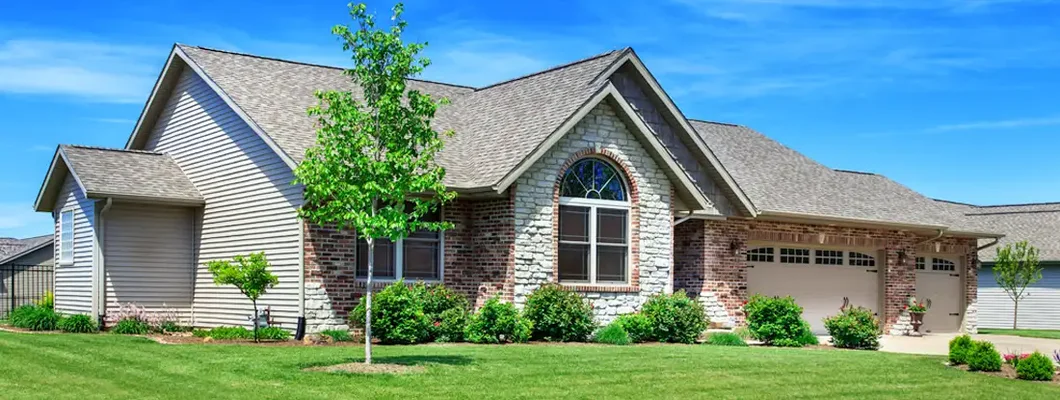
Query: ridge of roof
(283, 60)
(79, 146)
(850, 171)
(1047, 203)
(716, 122)
(956, 202)
(545, 71)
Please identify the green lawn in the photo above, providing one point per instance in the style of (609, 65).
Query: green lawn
(1032, 333)
(110, 366)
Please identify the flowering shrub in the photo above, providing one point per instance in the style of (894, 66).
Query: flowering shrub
(1014, 359)
(854, 328)
(165, 319)
(915, 306)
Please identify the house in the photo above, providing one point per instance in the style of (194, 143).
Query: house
(586, 174)
(1039, 225)
(25, 270)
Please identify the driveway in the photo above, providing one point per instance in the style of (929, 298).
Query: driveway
(939, 344)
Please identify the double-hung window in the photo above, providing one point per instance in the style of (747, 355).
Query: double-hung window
(594, 224)
(66, 237)
(417, 257)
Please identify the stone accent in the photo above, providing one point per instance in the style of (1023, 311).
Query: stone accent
(330, 291)
(600, 134)
(710, 263)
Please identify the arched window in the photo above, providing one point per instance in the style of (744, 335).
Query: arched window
(594, 226)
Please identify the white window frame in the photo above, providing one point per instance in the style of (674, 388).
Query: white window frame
(399, 261)
(65, 259)
(593, 205)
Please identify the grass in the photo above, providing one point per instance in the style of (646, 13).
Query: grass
(1031, 333)
(111, 366)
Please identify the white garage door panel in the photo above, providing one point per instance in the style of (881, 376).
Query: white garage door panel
(819, 289)
(943, 292)
(1039, 310)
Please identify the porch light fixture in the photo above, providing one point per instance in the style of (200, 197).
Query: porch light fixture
(902, 258)
(734, 247)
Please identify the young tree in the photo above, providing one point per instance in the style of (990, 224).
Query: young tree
(1015, 269)
(250, 274)
(372, 169)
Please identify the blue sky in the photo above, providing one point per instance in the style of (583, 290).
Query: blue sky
(956, 99)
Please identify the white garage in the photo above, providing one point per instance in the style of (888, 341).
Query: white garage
(821, 280)
(1039, 310)
(938, 284)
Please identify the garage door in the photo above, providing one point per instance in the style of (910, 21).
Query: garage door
(820, 280)
(938, 283)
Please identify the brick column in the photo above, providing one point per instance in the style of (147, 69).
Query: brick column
(710, 263)
(899, 276)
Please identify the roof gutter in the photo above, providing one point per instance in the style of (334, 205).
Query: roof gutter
(941, 232)
(988, 245)
(786, 214)
(683, 219)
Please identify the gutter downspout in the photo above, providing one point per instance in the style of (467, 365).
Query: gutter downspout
(683, 219)
(101, 281)
(941, 232)
(988, 245)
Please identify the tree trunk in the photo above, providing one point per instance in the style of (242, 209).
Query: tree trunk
(255, 304)
(368, 303)
(1015, 313)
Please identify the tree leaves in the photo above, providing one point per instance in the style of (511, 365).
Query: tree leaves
(250, 274)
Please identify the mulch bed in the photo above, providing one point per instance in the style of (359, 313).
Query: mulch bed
(362, 368)
(1007, 371)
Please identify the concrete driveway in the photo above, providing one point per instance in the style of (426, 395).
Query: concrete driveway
(939, 344)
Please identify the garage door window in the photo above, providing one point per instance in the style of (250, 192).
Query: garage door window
(828, 257)
(860, 259)
(761, 254)
(795, 256)
(594, 226)
(938, 264)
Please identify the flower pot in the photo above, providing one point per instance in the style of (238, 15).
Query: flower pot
(916, 319)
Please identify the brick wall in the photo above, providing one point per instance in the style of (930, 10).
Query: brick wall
(710, 259)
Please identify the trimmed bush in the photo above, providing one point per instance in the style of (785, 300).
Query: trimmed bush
(612, 334)
(854, 328)
(498, 322)
(337, 335)
(983, 357)
(776, 321)
(675, 318)
(232, 333)
(131, 326)
(397, 315)
(272, 333)
(436, 301)
(960, 346)
(1036, 367)
(78, 323)
(559, 314)
(34, 318)
(725, 339)
(806, 336)
(451, 326)
(637, 326)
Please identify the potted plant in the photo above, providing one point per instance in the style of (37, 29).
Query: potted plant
(916, 311)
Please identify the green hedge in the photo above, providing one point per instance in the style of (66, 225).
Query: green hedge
(498, 322)
(559, 314)
(675, 318)
(854, 328)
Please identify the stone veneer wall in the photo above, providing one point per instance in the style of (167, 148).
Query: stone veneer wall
(711, 259)
(479, 261)
(601, 133)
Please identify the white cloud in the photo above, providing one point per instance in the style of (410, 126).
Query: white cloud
(91, 71)
(999, 125)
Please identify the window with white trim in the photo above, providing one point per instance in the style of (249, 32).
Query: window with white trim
(795, 256)
(920, 263)
(417, 257)
(761, 254)
(828, 257)
(939, 264)
(594, 225)
(66, 237)
(860, 259)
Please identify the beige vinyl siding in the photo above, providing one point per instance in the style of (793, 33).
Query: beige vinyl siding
(149, 257)
(1039, 310)
(251, 204)
(73, 282)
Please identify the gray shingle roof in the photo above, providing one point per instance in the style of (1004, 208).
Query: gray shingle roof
(129, 174)
(1038, 224)
(20, 247)
(496, 126)
(777, 178)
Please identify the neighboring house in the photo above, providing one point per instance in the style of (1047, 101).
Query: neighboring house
(25, 270)
(1039, 225)
(585, 174)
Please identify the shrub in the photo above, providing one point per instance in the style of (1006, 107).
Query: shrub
(47, 300)
(776, 321)
(725, 339)
(637, 326)
(131, 326)
(559, 315)
(397, 315)
(34, 318)
(675, 318)
(498, 322)
(200, 333)
(854, 328)
(1036, 367)
(806, 336)
(173, 327)
(231, 333)
(612, 334)
(337, 335)
(983, 357)
(960, 346)
(273, 333)
(451, 326)
(78, 323)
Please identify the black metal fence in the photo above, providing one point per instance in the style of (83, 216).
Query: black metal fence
(23, 284)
